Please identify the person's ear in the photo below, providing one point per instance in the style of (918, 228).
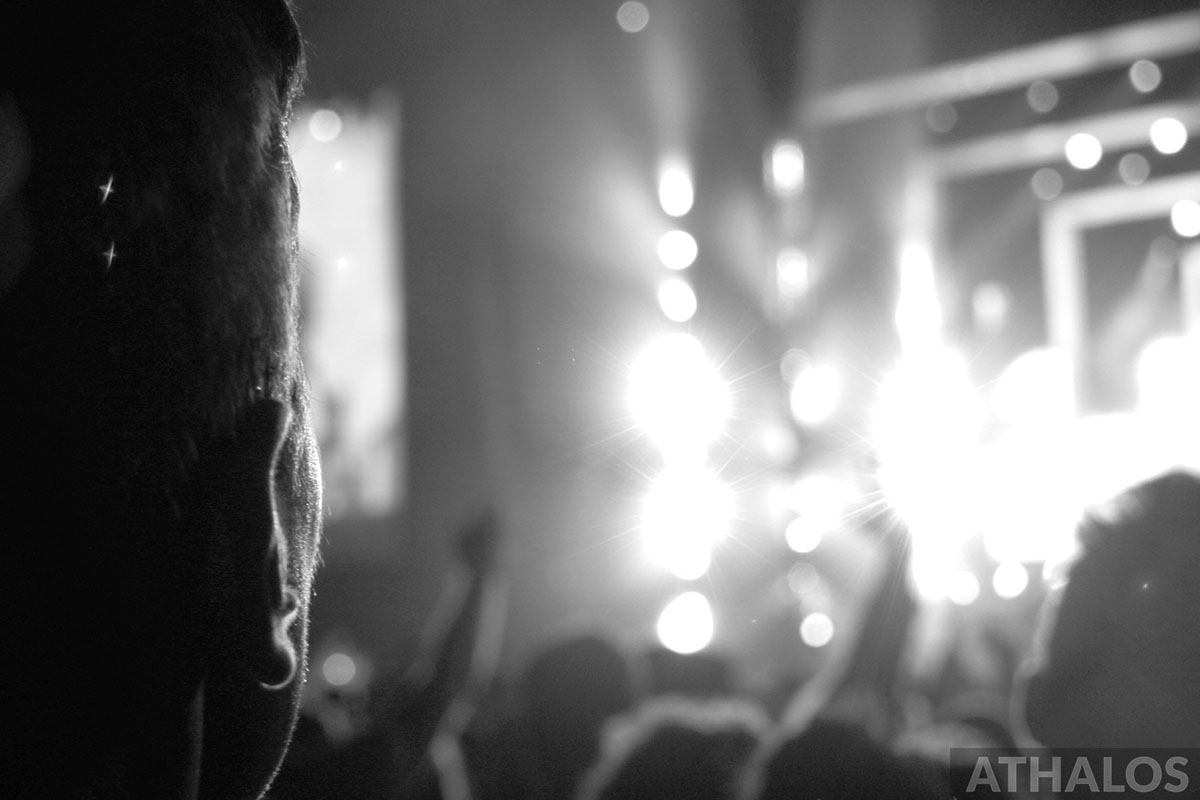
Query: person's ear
(267, 606)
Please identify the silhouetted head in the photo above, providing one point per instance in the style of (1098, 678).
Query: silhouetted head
(676, 748)
(832, 760)
(1118, 650)
(163, 502)
(568, 690)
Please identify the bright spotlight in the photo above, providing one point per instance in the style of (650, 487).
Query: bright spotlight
(1037, 389)
(787, 167)
(338, 669)
(1084, 151)
(814, 394)
(1185, 218)
(687, 510)
(816, 629)
(1168, 383)
(1168, 135)
(675, 191)
(926, 426)
(802, 535)
(1010, 579)
(686, 624)
(677, 300)
(677, 397)
(963, 589)
(677, 249)
(324, 125)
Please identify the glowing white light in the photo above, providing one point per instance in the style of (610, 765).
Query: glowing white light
(793, 361)
(686, 624)
(820, 503)
(918, 310)
(677, 249)
(686, 511)
(1046, 183)
(677, 300)
(1145, 76)
(926, 434)
(816, 629)
(1185, 218)
(1036, 390)
(803, 534)
(1084, 151)
(675, 191)
(1042, 96)
(787, 167)
(963, 589)
(791, 272)
(1133, 168)
(1168, 135)
(1010, 579)
(325, 125)
(1168, 382)
(814, 394)
(338, 669)
(677, 396)
(633, 17)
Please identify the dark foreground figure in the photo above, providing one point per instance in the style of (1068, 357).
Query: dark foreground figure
(162, 490)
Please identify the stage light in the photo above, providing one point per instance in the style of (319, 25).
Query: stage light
(918, 309)
(633, 17)
(1168, 135)
(677, 396)
(1145, 75)
(816, 629)
(686, 625)
(324, 125)
(677, 249)
(787, 167)
(803, 578)
(791, 272)
(1010, 579)
(1134, 169)
(1185, 218)
(1083, 151)
(926, 428)
(1036, 390)
(338, 669)
(677, 300)
(1167, 380)
(1042, 96)
(675, 191)
(687, 510)
(990, 303)
(820, 503)
(814, 394)
(963, 589)
(1046, 183)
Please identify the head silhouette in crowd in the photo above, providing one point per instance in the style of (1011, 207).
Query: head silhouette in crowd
(835, 760)
(676, 747)
(162, 497)
(1118, 652)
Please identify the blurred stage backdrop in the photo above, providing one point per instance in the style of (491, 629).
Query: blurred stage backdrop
(691, 291)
